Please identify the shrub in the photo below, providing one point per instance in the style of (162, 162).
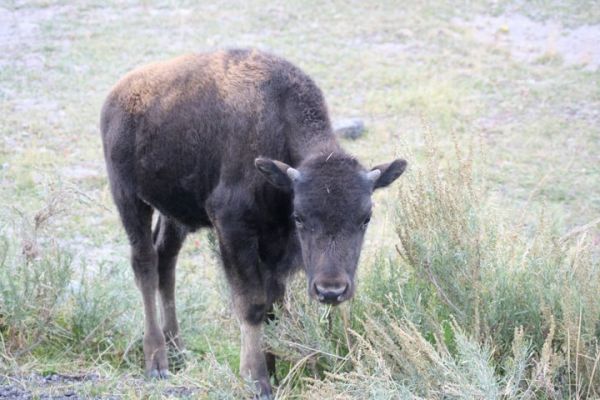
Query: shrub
(33, 284)
(474, 305)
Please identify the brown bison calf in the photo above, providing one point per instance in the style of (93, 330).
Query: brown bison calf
(240, 141)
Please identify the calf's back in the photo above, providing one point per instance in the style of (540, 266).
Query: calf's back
(172, 131)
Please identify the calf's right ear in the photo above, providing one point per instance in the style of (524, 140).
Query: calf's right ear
(384, 174)
(278, 174)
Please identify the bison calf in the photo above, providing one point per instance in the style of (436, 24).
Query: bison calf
(240, 141)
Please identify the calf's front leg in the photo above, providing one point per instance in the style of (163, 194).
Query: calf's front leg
(253, 364)
(251, 303)
(239, 253)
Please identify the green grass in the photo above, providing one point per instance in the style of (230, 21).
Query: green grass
(476, 280)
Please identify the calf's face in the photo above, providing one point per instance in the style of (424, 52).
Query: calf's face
(332, 209)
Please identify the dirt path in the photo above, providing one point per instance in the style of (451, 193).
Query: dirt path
(67, 387)
(53, 386)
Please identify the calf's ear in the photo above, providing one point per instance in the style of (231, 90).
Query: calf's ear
(278, 174)
(384, 174)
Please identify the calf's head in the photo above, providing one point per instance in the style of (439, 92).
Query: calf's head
(332, 209)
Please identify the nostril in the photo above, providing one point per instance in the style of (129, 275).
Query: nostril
(330, 292)
(333, 290)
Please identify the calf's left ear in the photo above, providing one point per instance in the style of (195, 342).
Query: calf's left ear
(384, 174)
(279, 174)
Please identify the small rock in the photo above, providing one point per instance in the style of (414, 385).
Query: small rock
(349, 128)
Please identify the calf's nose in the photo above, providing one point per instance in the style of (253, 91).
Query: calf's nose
(331, 292)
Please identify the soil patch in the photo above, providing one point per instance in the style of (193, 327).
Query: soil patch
(64, 387)
(528, 40)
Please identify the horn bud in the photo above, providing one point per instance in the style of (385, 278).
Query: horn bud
(373, 175)
(293, 173)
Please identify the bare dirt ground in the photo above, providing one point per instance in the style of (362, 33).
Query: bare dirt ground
(63, 387)
(52, 386)
(530, 41)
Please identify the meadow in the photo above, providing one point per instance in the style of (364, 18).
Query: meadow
(480, 274)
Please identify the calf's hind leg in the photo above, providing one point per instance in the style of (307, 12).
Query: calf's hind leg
(168, 239)
(137, 220)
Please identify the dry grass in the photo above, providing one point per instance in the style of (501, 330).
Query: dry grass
(487, 309)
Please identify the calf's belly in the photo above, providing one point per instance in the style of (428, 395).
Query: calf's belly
(175, 201)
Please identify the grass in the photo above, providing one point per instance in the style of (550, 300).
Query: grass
(480, 272)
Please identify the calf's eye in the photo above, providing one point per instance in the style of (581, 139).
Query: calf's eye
(366, 222)
(298, 220)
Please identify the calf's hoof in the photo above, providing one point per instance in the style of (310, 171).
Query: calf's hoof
(156, 369)
(155, 355)
(158, 374)
(177, 356)
(264, 390)
(176, 351)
